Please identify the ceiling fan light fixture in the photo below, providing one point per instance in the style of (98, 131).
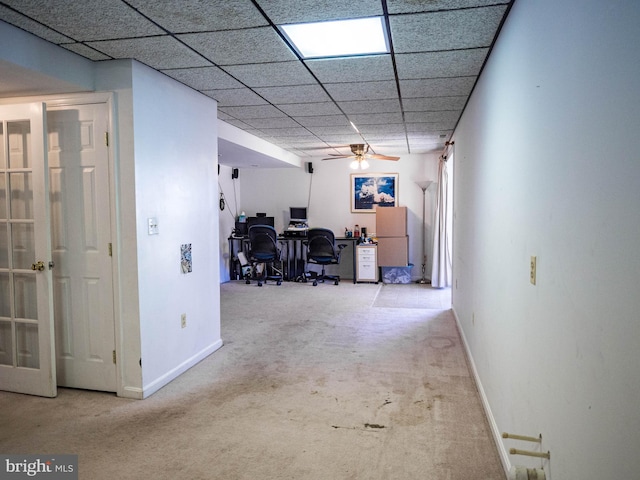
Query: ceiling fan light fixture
(364, 164)
(354, 165)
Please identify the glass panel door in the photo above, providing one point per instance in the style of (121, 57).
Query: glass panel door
(26, 316)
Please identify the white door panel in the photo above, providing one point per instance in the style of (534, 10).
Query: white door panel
(81, 235)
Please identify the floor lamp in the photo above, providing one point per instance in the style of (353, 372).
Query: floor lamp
(423, 184)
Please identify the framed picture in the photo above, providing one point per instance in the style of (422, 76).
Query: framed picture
(373, 190)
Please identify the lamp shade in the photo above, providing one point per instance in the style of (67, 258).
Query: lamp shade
(424, 184)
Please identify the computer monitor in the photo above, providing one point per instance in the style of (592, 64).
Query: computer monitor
(298, 214)
(251, 221)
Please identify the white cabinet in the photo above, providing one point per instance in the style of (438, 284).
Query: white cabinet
(366, 263)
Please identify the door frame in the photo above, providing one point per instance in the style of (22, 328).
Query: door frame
(107, 98)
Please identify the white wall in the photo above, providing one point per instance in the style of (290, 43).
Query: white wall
(275, 190)
(116, 76)
(176, 176)
(547, 165)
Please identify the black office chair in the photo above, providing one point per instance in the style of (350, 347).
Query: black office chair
(322, 250)
(264, 254)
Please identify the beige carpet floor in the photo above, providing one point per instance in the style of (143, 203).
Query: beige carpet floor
(330, 382)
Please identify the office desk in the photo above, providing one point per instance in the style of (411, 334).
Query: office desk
(293, 255)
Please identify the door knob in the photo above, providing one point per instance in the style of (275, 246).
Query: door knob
(39, 266)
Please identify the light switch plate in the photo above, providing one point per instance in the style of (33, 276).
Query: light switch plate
(153, 226)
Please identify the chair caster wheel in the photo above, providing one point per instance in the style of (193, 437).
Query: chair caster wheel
(315, 284)
(247, 282)
(259, 284)
(278, 282)
(336, 282)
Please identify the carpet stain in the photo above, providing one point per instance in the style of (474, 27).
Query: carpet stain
(373, 425)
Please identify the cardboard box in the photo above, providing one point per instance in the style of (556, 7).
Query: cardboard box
(391, 221)
(393, 251)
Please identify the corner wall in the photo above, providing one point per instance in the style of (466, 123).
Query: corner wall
(175, 182)
(547, 166)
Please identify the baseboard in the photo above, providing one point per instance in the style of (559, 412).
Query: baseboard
(160, 382)
(495, 431)
(131, 392)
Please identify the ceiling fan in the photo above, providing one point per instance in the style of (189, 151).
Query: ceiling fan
(360, 153)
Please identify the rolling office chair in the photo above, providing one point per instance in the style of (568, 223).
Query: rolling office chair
(264, 254)
(322, 250)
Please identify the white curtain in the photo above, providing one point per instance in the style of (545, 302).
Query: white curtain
(441, 270)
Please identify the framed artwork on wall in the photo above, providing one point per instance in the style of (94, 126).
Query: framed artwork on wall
(373, 190)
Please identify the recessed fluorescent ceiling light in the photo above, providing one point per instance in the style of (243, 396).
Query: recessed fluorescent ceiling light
(341, 38)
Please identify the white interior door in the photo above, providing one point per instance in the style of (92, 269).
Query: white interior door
(27, 362)
(80, 237)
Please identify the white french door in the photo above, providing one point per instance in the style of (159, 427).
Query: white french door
(27, 363)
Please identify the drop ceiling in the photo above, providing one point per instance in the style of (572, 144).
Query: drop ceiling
(408, 101)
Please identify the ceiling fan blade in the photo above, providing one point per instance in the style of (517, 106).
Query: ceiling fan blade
(338, 156)
(382, 157)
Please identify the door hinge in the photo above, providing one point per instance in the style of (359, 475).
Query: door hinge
(114, 356)
(110, 249)
(106, 139)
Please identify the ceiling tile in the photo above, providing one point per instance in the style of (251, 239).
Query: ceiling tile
(450, 30)
(426, 129)
(204, 78)
(429, 117)
(246, 113)
(371, 106)
(363, 69)
(323, 131)
(397, 139)
(341, 139)
(18, 20)
(413, 6)
(286, 11)
(426, 137)
(335, 121)
(437, 87)
(272, 123)
(188, 16)
(274, 74)
(308, 140)
(294, 94)
(236, 47)
(362, 91)
(235, 122)
(376, 118)
(88, 19)
(382, 129)
(277, 132)
(85, 51)
(234, 97)
(157, 52)
(459, 63)
(429, 126)
(433, 104)
(309, 109)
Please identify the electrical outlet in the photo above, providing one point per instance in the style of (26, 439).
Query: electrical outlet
(532, 270)
(183, 320)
